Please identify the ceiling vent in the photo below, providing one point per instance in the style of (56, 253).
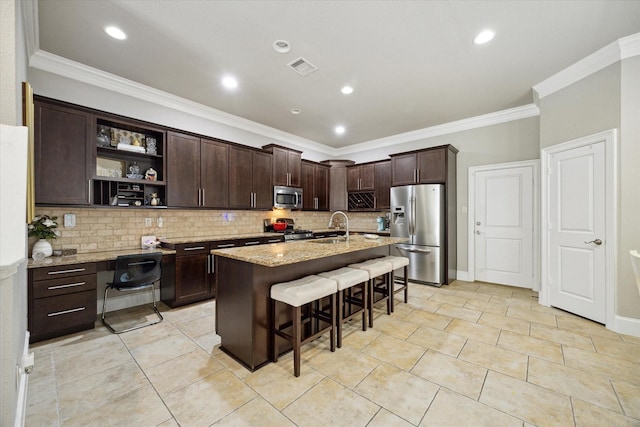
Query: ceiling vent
(302, 66)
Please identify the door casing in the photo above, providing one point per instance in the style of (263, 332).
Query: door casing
(609, 138)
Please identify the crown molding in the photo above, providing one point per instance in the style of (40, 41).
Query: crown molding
(30, 20)
(613, 52)
(517, 113)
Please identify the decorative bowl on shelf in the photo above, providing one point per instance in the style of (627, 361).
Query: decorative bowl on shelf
(134, 176)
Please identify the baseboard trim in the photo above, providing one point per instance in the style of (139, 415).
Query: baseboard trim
(627, 326)
(462, 275)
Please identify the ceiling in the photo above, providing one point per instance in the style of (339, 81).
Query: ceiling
(412, 64)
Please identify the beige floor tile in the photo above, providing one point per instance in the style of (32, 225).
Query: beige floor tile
(346, 366)
(181, 371)
(385, 418)
(584, 326)
(462, 285)
(503, 322)
(169, 423)
(80, 396)
(198, 327)
(96, 359)
(429, 319)
(561, 336)
(354, 337)
(589, 415)
(423, 303)
(393, 351)
(488, 307)
(453, 299)
(601, 364)
(400, 308)
(79, 343)
(42, 395)
(630, 339)
(459, 312)
(189, 312)
(441, 341)
(495, 358)
(208, 400)
(532, 346)
(475, 296)
(573, 382)
(208, 342)
(406, 395)
(451, 409)
(144, 336)
(529, 402)
(258, 412)
(489, 288)
(456, 374)
(629, 396)
(617, 348)
(422, 291)
(140, 407)
(512, 301)
(395, 327)
(331, 404)
(486, 334)
(161, 350)
(532, 316)
(232, 365)
(277, 384)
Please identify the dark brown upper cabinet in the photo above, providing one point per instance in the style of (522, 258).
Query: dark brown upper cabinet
(421, 167)
(382, 184)
(197, 172)
(315, 186)
(360, 177)
(250, 178)
(286, 165)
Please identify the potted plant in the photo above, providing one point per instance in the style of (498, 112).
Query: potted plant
(43, 227)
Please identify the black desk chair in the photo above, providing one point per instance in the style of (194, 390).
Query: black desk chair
(134, 272)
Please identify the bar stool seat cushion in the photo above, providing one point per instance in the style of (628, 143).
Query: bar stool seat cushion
(302, 291)
(346, 277)
(396, 261)
(375, 267)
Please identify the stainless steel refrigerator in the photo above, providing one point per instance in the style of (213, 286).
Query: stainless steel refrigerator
(418, 213)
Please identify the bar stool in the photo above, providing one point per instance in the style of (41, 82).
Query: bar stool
(347, 278)
(377, 269)
(398, 262)
(295, 294)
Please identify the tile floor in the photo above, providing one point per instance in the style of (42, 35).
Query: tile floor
(467, 354)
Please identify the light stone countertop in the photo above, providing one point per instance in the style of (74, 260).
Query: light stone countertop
(279, 254)
(54, 261)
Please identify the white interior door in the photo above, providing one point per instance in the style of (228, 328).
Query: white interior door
(577, 228)
(504, 226)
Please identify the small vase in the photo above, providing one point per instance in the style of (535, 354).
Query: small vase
(41, 249)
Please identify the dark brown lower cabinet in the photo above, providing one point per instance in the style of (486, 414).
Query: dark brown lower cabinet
(61, 300)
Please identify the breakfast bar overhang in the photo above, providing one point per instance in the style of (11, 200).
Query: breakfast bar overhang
(245, 276)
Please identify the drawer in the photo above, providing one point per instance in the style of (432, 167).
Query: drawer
(249, 242)
(63, 312)
(64, 285)
(185, 249)
(70, 270)
(221, 244)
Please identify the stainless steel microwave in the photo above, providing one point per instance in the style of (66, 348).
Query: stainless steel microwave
(287, 197)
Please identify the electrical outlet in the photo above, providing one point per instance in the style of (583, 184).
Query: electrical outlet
(147, 222)
(160, 222)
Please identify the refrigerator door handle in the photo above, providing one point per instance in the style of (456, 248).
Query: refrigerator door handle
(419, 250)
(412, 217)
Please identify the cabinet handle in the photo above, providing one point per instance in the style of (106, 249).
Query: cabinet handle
(375, 202)
(58, 313)
(417, 175)
(89, 192)
(274, 241)
(203, 201)
(74, 270)
(194, 248)
(230, 245)
(70, 285)
(213, 263)
(251, 243)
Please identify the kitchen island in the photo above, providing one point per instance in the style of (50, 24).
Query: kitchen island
(245, 276)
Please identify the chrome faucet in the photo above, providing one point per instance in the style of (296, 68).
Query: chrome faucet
(346, 219)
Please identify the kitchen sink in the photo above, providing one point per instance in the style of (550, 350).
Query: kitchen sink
(330, 241)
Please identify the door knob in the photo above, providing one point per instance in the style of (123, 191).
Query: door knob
(478, 232)
(478, 223)
(597, 242)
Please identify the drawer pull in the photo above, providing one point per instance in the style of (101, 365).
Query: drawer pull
(226, 246)
(274, 240)
(70, 285)
(58, 313)
(195, 248)
(251, 243)
(75, 270)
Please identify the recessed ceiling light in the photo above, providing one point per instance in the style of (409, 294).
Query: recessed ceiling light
(115, 32)
(346, 90)
(281, 46)
(296, 111)
(485, 36)
(229, 82)
(340, 130)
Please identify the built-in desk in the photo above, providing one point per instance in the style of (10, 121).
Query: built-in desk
(62, 291)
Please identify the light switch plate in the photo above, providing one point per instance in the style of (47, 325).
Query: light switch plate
(69, 220)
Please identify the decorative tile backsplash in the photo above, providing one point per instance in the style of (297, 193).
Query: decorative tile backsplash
(103, 229)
